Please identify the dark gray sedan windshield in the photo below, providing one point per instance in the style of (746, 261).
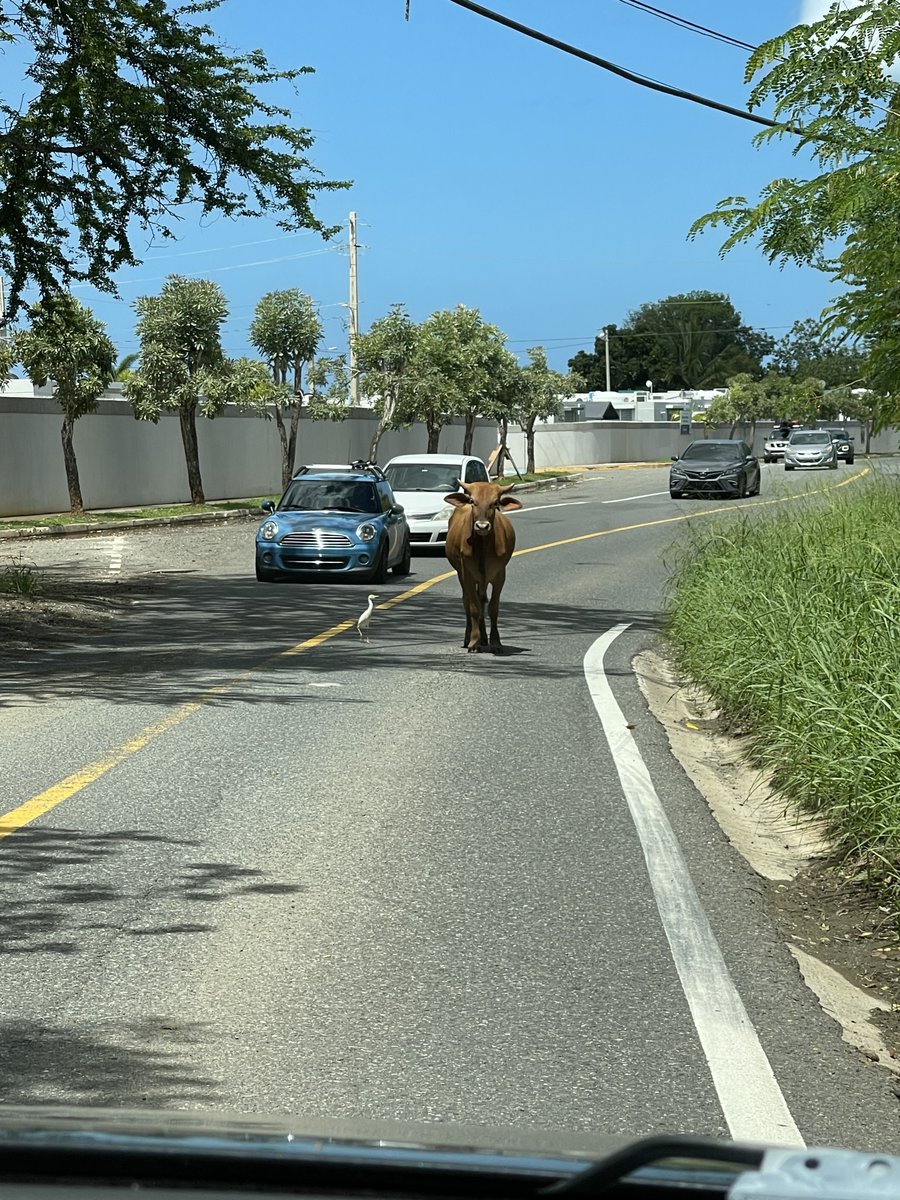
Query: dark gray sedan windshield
(712, 452)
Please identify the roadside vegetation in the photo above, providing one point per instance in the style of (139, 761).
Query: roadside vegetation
(791, 626)
(18, 578)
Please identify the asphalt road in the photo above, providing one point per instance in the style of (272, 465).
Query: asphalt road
(268, 871)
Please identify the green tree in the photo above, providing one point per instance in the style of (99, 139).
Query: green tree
(479, 364)
(451, 370)
(182, 365)
(774, 396)
(542, 396)
(693, 340)
(286, 331)
(124, 367)
(7, 360)
(137, 109)
(385, 359)
(807, 351)
(830, 86)
(67, 346)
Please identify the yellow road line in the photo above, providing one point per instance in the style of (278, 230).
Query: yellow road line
(72, 784)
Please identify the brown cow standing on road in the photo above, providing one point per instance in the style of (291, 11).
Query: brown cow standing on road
(480, 542)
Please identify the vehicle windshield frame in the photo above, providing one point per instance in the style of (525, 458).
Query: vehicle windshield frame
(402, 476)
(330, 495)
(717, 452)
(811, 437)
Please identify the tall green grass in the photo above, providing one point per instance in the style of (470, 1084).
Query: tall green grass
(793, 625)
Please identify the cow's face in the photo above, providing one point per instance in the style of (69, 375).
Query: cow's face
(486, 500)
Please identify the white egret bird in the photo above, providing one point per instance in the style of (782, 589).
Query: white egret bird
(362, 625)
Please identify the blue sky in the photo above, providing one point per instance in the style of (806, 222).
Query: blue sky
(492, 171)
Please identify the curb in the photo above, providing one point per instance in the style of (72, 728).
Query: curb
(49, 531)
(543, 484)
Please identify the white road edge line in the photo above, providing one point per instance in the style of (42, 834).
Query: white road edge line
(644, 496)
(752, 1102)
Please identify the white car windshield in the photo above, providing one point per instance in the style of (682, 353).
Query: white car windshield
(423, 477)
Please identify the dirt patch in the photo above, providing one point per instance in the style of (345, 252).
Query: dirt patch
(845, 940)
(62, 612)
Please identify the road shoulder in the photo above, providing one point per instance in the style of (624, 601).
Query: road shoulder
(845, 945)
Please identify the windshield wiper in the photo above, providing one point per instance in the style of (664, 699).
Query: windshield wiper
(653, 1152)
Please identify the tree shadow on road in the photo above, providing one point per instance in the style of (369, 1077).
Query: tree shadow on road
(187, 634)
(145, 1063)
(47, 908)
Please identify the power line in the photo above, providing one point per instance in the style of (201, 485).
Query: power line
(622, 72)
(684, 23)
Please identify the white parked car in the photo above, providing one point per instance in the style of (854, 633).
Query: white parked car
(421, 481)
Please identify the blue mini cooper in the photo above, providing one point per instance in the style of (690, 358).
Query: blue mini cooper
(334, 520)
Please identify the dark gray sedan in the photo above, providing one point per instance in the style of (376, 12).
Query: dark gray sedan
(715, 467)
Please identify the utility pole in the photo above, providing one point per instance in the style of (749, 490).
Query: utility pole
(606, 345)
(4, 330)
(354, 316)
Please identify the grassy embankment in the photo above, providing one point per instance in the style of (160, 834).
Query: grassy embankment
(793, 625)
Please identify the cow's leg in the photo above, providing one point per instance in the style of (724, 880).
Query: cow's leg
(468, 633)
(474, 597)
(482, 618)
(494, 610)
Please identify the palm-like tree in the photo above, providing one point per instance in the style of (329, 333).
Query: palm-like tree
(124, 367)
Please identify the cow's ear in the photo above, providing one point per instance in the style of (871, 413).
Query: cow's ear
(458, 499)
(509, 502)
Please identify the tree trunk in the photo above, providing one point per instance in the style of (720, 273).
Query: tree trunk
(752, 438)
(292, 440)
(869, 425)
(384, 421)
(285, 454)
(529, 446)
(434, 433)
(499, 461)
(733, 428)
(75, 501)
(188, 418)
(469, 435)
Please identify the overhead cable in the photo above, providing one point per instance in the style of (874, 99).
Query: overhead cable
(622, 72)
(684, 23)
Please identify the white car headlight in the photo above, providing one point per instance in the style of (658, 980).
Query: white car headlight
(269, 530)
(366, 532)
(443, 514)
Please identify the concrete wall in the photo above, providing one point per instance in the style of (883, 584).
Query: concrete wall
(581, 443)
(124, 462)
